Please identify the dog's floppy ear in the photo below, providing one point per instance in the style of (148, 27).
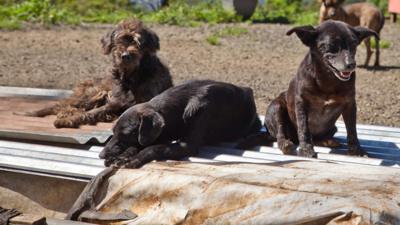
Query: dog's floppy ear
(151, 126)
(307, 34)
(363, 32)
(107, 42)
(150, 40)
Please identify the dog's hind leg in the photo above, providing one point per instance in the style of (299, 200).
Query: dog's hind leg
(279, 125)
(369, 51)
(377, 53)
(101, 114)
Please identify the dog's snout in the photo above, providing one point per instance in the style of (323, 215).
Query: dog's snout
(350, 65)
(332, 14)
(126, 56)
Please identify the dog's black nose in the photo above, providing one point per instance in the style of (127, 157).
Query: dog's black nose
(350, 66)
(332, 14)
(126, 56)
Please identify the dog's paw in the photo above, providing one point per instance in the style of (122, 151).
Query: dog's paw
(307, 150)
(133, 164)
(287, 147)
(65, 123)
(331, 143)
(356, 150)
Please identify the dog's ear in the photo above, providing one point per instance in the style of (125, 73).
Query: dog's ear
(151, 42)
(307, 34)
(107, 42)
(151, 126)
(363, 32)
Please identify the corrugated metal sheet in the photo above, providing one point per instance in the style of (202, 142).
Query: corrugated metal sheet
(79, 160)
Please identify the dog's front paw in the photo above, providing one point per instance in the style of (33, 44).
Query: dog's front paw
(287, 147)
(65, 123)
(307, 150)
(356, 150)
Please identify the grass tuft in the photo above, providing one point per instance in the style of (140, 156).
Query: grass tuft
(214, 39)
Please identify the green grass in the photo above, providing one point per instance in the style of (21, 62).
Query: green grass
(14, 13)
(383, 44)
(214, 39)
(182, 14)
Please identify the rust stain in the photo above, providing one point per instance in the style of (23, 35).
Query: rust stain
(34, 125)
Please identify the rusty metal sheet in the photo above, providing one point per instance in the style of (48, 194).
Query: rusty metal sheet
(291, 192)
(14, 99)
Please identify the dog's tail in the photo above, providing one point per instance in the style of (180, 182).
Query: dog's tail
(38, 113)
(257, 139)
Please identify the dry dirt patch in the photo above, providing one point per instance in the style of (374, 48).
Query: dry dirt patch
(264, 59)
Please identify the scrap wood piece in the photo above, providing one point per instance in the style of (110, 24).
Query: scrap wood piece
(92, 216)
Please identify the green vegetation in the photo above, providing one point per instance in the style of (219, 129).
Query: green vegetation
(182, 14)
(14, 13)
(287, 11)
(382, 43)
(214, 39)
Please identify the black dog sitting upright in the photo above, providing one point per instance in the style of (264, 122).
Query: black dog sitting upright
(322, 90)
(196, 113)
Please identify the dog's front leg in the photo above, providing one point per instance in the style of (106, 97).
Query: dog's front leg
(350, 119)
(306, 146)
(158, 152)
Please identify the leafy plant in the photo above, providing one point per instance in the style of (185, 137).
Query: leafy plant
(182, 14)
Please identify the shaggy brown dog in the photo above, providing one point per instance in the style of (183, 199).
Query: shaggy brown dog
(357, 14)
(137, 76)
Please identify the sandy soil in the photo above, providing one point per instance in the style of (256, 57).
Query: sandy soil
(264, 59)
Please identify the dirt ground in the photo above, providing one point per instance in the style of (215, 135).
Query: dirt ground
(264, 59)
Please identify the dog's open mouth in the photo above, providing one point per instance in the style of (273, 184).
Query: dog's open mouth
(341, 75)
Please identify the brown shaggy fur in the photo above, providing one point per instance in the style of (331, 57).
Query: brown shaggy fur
(137, 76)
(356, 14)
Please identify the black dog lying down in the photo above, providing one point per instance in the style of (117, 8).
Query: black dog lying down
(322, 90)
(193, 114)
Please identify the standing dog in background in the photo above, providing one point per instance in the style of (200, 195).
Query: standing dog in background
(322, 90)
(356, 14)
(137, 76)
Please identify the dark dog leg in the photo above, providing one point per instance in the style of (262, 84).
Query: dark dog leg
(369, 51)
(101, 114)
(174, 151)
(253, 140)
(350, 118)
(377, 52)
(279, 125)
(303, 133)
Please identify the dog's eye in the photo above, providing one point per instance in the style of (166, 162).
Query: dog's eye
(329, 56)
(127, 38)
